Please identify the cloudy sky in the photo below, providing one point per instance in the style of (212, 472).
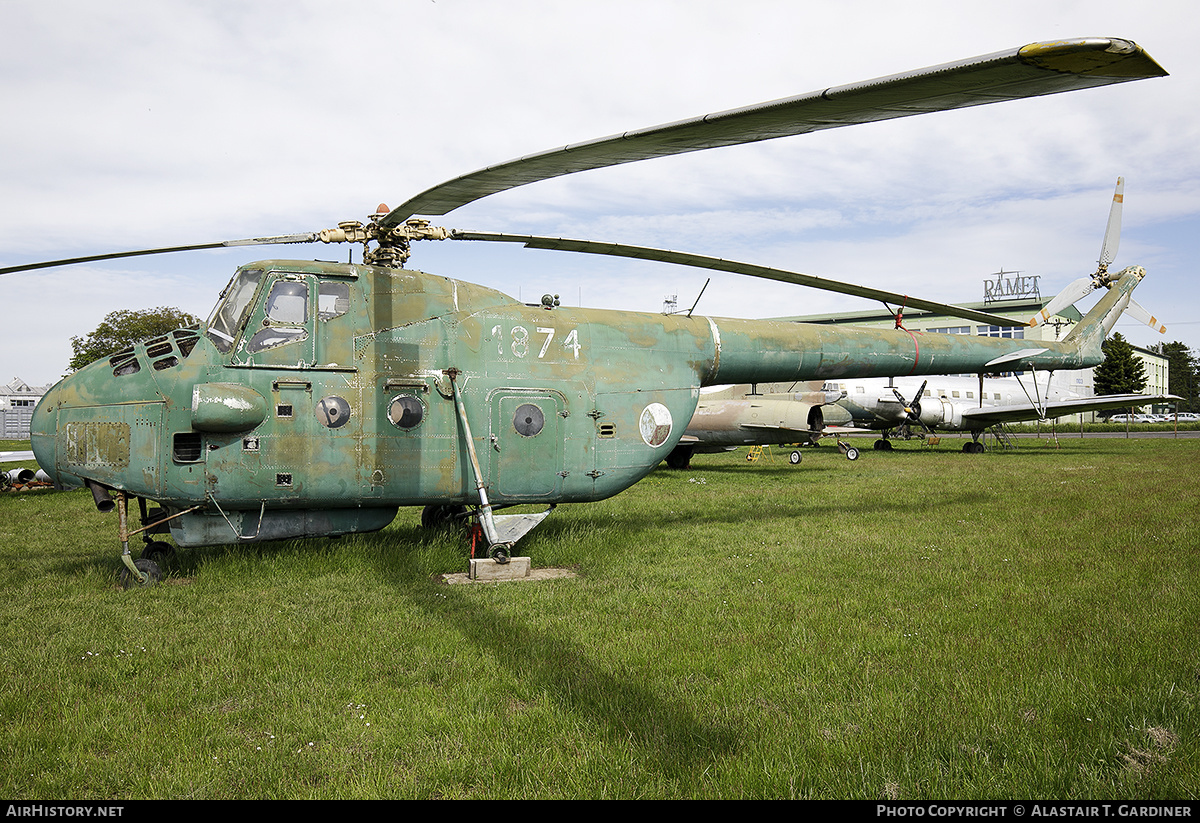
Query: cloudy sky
(138, 124)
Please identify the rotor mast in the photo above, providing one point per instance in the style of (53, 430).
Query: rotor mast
(393, 243)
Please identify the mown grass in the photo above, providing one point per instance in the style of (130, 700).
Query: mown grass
(919, 624)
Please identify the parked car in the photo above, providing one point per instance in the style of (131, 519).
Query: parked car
(1184, 417)
(1132, 418)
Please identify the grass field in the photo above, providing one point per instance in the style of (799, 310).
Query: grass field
(921, 624)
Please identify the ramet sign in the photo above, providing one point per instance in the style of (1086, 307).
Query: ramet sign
(1009, 285)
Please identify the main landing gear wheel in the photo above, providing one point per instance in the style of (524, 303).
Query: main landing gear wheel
(158, 552)
(973, 448)
(882, 445)
(795, 457)
(442, 515)
(148, 568)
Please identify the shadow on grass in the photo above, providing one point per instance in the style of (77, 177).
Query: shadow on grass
(667, 734)
(676, 742)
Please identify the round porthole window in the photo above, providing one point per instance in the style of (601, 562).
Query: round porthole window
(333, 411)
(406, 412)
(528, 420)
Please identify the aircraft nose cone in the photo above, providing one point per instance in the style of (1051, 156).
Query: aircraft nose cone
(43, 430)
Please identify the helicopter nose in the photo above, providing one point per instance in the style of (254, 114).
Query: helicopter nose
(42, 431)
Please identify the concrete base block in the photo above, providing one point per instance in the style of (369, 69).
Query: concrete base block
(487, 569)
(516, 569)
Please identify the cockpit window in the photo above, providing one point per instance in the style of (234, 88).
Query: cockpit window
(333, 300)
(273, 336)
(286, 316)
(229, 313)
(288, 302)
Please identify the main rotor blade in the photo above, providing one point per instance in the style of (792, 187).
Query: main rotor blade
(255, 241)
(1033, 70)
(703, 262)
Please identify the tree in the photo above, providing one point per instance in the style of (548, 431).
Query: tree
(1183, 372)
(1122, 371)
(123, 328)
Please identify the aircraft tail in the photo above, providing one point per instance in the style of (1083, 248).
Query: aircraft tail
(1089, 333)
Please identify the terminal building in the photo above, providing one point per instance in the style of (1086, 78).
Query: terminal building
(1015, 295)
(17, 401)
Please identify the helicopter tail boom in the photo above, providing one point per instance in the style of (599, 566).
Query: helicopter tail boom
(764, 351)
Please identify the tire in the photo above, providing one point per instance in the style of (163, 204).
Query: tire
(146, 567)
(158, 552)
(442, 515)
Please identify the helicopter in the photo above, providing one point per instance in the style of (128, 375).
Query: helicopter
(318, 397)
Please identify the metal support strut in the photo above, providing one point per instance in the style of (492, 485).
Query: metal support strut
(504, 530)
(123, 535)
(497, 549)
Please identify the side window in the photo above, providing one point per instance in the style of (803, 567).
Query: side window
(286, 316)
(274, 336)
(333, 300)
(288, 302)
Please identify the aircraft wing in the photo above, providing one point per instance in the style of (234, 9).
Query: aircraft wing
(777, 427)
(1030, 71)
(13, 457)
(1013, 413)
(846, 430)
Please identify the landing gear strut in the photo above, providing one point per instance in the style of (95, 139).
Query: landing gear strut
(143, 572)
(501, 531)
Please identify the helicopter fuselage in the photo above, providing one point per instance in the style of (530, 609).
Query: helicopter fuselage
(320, 397)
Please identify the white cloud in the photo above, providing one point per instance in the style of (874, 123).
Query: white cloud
(155, 123)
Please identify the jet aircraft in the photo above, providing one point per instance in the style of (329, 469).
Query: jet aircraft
(769, 414)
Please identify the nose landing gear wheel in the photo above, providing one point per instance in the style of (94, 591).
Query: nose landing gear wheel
(148, 568)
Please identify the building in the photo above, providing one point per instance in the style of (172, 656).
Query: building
(17, 401)
(1007, 294)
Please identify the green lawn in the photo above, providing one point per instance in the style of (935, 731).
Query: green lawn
(921, 624)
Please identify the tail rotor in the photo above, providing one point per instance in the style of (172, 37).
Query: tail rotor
(1078, 289)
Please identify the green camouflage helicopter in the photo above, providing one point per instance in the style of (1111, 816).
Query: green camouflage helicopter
(320, 397)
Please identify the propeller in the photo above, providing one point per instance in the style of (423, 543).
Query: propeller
(912, 408)
(1078, 289)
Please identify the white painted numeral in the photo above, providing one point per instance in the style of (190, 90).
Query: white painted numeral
(549, 336)
(572, 342)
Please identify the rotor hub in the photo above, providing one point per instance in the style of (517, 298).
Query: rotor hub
(393, 244)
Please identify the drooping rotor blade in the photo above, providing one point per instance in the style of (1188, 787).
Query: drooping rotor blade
(1112, 232)
(255, 241)
(718, 264)
(1033, 70)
